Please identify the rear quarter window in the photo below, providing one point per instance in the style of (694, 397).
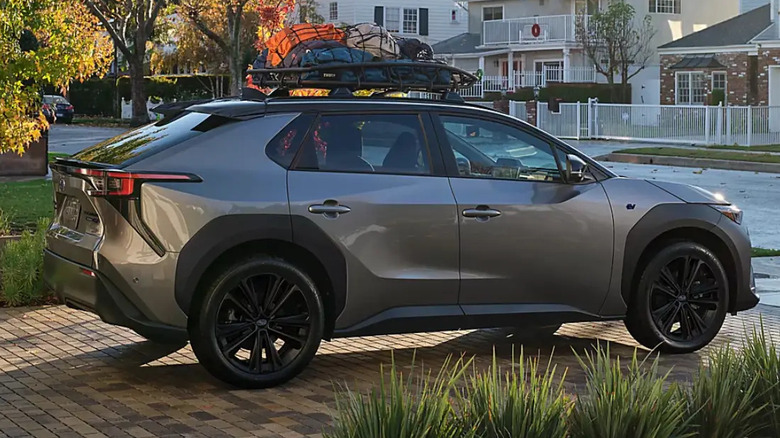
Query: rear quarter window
(134, 145)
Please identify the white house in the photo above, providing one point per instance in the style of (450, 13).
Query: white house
(527, 43)
(429, 20)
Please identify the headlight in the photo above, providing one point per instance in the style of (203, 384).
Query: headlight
(730, 211)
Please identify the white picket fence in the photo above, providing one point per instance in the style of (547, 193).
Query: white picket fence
(695, 125)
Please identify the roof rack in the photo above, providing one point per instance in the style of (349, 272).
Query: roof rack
(401, 75)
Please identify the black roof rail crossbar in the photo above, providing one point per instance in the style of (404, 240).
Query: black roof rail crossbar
(292, 77)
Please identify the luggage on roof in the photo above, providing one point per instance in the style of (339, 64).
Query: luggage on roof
(282, 42)
(373, 39)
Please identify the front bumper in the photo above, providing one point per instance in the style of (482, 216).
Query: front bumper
(747, 298)
(82, 288)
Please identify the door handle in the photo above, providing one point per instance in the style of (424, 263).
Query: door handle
(481, 212)
(330, 209)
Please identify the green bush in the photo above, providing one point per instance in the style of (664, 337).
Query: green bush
(21, 266)
(401, 407)
(721, 403)
(513, 406)
(718, 97)
(633, 403)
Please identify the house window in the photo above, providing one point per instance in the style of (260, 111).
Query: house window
(719, 81)
(393, 19)
(333, 11)
(665, 6)
(690, 88)
(410, 21)
(492, 13)
(454, 16)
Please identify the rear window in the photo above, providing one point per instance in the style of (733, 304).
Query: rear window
(132, 146)
(54, 99)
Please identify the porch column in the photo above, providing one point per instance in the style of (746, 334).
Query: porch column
(566, 65)
(523, 69)
(510, 70)
(482, 64)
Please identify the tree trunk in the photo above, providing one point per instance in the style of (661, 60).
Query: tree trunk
(138, 92)
(236, 79)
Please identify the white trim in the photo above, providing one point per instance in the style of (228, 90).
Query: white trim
(482, 12)
(477, 54)
(769, 82)
(767, 45)
(706, 50)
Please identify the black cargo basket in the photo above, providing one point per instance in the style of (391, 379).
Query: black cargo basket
(388, 75)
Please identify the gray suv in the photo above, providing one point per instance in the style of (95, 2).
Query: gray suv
(257, 228)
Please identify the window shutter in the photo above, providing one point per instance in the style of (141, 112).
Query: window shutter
(379, 15)
(423, 21)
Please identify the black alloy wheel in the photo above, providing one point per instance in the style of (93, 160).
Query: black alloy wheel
(684, 298)
(681, 299)
(260, 324)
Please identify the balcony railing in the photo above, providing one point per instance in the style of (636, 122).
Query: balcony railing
(552, 28)
(531, 79)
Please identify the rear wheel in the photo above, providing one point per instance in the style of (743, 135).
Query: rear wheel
(681, 299)
(260, 323)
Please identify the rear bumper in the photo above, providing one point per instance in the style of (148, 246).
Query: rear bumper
(80, 287)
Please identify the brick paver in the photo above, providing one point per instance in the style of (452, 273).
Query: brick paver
(64, 373)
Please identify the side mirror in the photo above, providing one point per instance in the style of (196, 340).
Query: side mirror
(464, 166)
(575, 169)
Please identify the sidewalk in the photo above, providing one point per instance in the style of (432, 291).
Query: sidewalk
(767, 272)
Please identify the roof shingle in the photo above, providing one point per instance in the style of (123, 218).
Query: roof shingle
(735, 31)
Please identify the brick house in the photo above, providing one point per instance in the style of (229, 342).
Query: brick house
(740, 56)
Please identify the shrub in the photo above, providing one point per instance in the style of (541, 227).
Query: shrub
(401, 408)
(508, 406)
(618, 404)
(21, 266)
(760, 359)
(721, 401)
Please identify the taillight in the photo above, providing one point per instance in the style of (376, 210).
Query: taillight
(69, 108)
(120, 183)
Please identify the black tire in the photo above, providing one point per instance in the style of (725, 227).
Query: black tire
(271, 320)
(681, 299)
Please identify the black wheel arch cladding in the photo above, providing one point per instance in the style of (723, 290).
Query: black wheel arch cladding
(664, 219)
(225, 233)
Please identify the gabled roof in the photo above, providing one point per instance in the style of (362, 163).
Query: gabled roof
(736, 31)
(463, 43)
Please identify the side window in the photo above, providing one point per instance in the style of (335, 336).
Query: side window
(372, 143)
(284, 146)
(485, 149)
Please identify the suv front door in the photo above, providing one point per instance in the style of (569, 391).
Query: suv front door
(374, 185)
(529, 241)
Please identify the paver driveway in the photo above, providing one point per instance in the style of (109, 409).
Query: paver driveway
(65, 373)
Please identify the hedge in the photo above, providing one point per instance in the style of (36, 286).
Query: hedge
(97, 97)
(575, 93)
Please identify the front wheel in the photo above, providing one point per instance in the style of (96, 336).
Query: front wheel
(259, 324)
(681, 299)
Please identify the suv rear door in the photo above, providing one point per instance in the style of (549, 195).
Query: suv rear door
(530, 242)
(373, 183)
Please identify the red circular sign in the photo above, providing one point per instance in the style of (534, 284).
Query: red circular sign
(536, 30)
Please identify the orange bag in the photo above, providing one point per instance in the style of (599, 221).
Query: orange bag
(283, 41)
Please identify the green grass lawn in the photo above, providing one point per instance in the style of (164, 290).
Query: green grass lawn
(767, 148)
(24, 202)
(763, 252)
(54, 155)
(713, 154)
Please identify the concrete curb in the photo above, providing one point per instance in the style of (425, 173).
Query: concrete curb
(702, 163)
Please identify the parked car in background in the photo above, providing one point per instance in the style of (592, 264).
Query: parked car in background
(48, 112)
(62, 108)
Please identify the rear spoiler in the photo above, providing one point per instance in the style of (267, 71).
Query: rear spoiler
(173, 108)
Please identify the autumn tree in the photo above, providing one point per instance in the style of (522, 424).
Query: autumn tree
(229, 25)
(42, 42)
(131, 24)
(616, 41)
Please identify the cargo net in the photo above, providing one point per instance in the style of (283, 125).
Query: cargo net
(357, 57)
